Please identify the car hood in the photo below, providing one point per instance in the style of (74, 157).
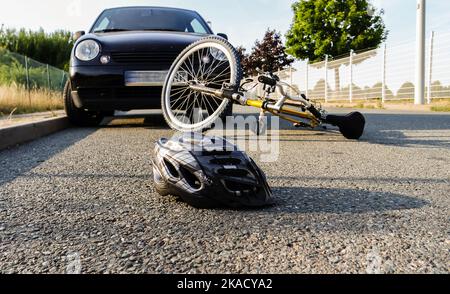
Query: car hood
(143, 41)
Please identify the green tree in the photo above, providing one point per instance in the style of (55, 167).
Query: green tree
(333, 28)
(50, 48)
(268, 55)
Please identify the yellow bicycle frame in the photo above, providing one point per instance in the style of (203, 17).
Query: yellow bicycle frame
(285, 112)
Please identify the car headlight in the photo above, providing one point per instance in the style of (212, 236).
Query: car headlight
(218, 54)
(87, 50)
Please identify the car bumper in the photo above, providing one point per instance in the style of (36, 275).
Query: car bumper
(103, 88)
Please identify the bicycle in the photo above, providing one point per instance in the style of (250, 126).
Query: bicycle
(205, 81)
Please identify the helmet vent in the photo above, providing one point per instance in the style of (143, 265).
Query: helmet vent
(190, 178)
(215, 152)
(237, 187)
(238, 173)
(171, 168)
(226, 161)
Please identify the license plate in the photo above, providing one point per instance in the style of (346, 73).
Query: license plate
(145, 78)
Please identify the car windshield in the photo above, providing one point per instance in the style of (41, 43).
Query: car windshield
(150, 19)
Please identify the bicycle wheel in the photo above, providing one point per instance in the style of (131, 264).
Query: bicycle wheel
(210, 62)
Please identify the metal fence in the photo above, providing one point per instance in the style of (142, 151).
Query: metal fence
(23, 71)
(386, 73)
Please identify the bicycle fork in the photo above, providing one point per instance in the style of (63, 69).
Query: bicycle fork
(278, 108)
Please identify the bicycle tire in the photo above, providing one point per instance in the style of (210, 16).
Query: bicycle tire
(224, 109)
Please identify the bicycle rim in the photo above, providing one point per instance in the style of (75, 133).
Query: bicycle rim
(210, 64)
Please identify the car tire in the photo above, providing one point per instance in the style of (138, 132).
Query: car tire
(77, 116)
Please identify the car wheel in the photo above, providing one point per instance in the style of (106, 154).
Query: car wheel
(77, 116)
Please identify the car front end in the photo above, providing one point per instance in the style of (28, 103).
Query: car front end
(129, 70)
(122, 63)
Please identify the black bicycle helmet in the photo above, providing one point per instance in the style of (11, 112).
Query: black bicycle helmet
(208, 172)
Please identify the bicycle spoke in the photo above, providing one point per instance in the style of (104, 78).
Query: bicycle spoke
(180, 109)
(203, 64)
(199, 71)
(187, 70)
(185, 102)
(201, 105)
(179, 91)
(220, 74)
(207, 66)
(211, 71)
(191, 64)
(191, 107)
(180, 98)
(209, 103)
(215, 99)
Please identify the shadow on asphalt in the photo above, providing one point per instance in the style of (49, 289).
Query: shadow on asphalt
(303, 200)
(19, 160)
(385, 129)
(148, 121)
(389, 129)
(85, 176)
(365, 179)
(381, 128)
(330, 200)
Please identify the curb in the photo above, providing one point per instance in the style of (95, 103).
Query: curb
(19, 134)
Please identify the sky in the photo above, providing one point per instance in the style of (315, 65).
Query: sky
(243, 20)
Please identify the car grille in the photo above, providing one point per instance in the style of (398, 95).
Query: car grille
(160, 58)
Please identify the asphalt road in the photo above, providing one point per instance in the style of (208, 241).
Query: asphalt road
(83, 201)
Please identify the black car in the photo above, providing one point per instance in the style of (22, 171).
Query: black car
(121, 64)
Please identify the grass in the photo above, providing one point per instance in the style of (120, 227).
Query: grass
(360, 105)
(17, 100)
(363, 105)
(441, 108)
(380, 104)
